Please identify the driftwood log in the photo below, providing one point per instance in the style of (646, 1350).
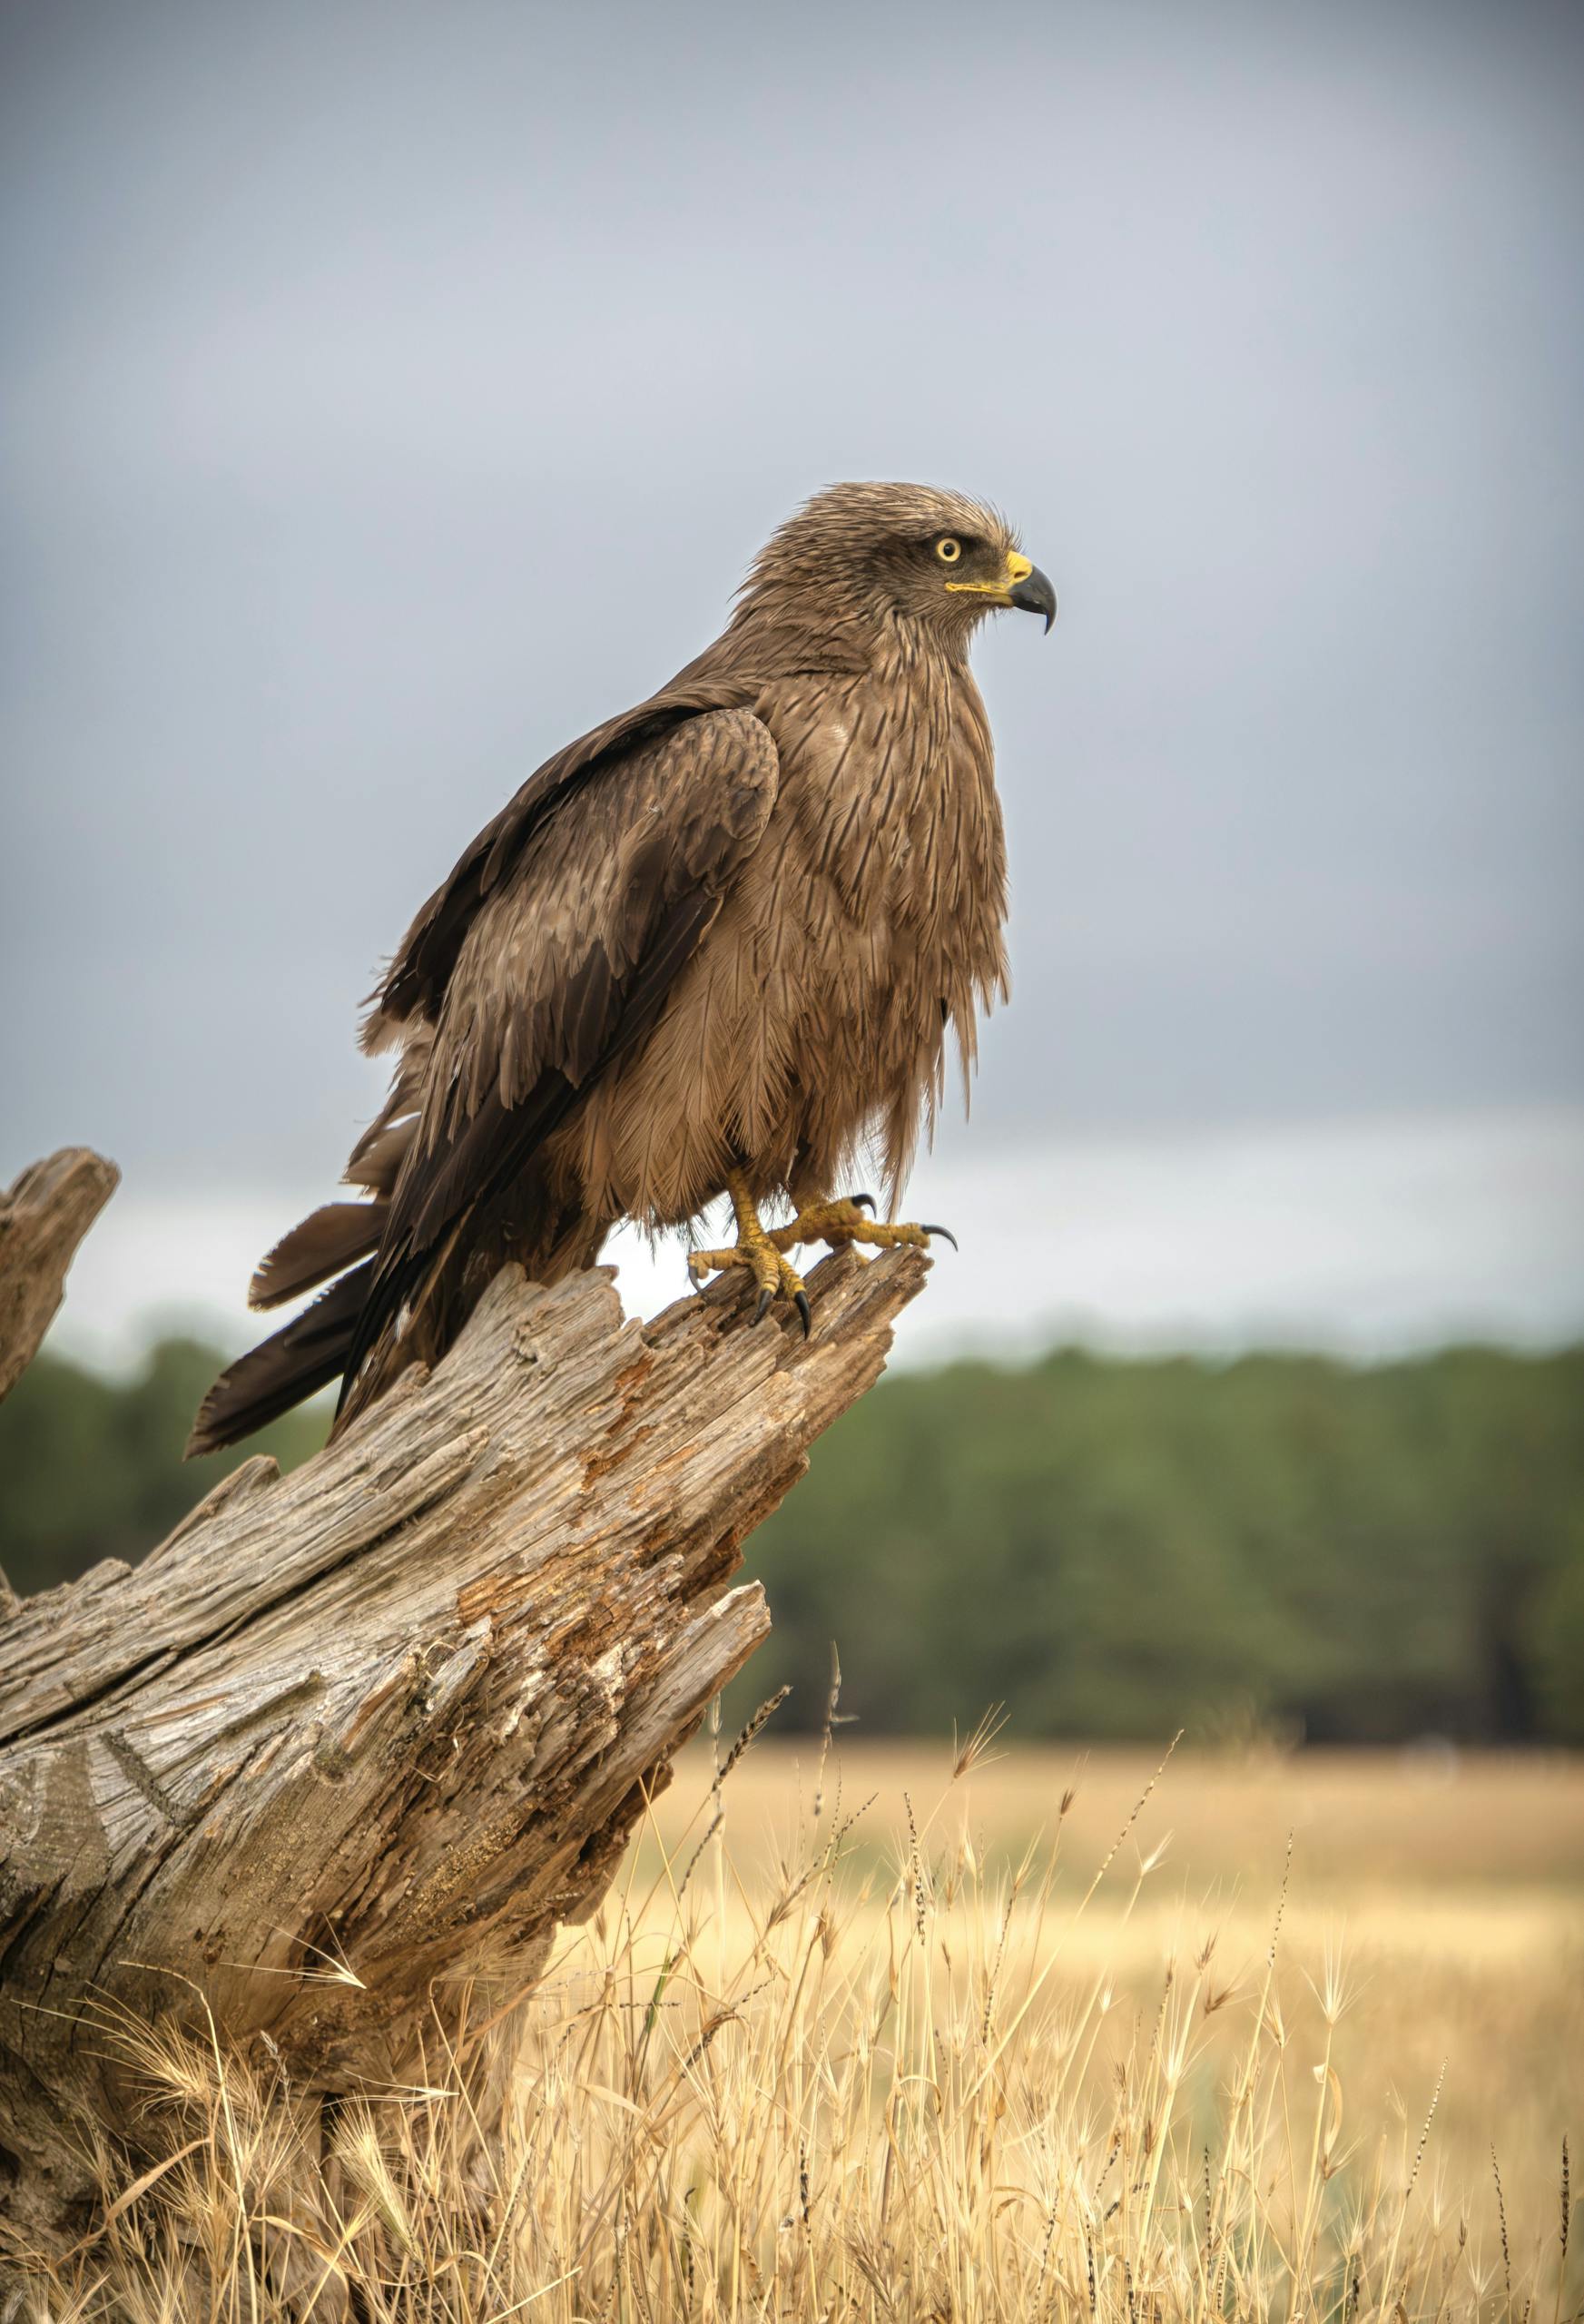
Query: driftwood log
(399, 1708)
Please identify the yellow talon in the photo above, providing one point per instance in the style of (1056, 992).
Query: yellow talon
(760, 1252)
(762, 1249)
(845, 1222)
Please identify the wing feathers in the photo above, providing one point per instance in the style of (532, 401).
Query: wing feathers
(328, 1240)
(303, 1356)
(563, 970)
(547, 954)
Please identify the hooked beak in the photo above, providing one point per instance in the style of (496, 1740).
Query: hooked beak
(1022, 585)
(1034, 595)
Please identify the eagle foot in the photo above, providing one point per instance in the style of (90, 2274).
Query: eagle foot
(759, 1252)
(846, 1221)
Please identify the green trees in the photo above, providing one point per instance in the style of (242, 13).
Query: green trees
(1115, 1548)
(92, 1469)
(1110, 1548)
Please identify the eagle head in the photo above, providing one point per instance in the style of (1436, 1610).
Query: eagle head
(911, 552)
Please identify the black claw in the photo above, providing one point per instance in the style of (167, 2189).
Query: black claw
(863, 1202)
(762, 1309)
(945, 1234)
(800, 1301)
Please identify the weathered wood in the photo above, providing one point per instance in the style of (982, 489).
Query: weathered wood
(399, 1709)
(42, 1219)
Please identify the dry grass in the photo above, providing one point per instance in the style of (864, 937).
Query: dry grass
(968, 2060)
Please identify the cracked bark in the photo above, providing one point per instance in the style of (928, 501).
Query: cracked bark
(401, 1707)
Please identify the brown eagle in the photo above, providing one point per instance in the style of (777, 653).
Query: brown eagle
(713, 947)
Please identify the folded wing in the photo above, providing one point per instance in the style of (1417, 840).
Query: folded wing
(516, 991)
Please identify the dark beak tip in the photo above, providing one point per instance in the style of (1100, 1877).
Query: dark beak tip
(1035, 595)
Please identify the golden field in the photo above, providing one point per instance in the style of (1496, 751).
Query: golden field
(1447, 1889)
(918, 2032)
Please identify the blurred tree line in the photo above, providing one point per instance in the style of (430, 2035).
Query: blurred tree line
(1110, 1548)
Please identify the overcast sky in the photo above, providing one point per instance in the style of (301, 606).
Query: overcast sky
(391, 392)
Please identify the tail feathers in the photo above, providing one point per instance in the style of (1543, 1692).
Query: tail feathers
(328, 1240)
(303, 1356)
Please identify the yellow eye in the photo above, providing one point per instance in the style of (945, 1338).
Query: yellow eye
(949, 550)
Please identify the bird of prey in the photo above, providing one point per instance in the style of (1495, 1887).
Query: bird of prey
(713, 947)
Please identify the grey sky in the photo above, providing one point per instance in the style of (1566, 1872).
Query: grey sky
(391, 392)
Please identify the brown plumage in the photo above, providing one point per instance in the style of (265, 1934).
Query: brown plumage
(713, 946)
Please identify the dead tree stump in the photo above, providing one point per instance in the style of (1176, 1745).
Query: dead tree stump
(42, 1219)
(399, 1708)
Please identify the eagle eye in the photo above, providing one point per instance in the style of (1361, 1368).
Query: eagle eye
(948, 550)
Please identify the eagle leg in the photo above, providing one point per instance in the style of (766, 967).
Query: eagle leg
(845, 1221)
(757, 1250)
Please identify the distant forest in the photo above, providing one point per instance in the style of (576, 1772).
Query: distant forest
(1111, 1549)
